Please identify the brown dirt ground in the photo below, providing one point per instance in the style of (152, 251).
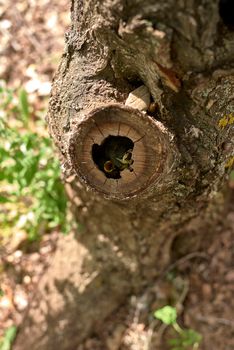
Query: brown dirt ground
(201, 283)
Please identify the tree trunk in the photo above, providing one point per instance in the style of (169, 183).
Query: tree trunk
(129, 213)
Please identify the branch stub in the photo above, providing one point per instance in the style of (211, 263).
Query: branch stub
(132, 151)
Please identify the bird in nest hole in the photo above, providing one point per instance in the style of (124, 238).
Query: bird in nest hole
(113, 155)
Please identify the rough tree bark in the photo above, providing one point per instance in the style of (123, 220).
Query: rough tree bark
(182, 148)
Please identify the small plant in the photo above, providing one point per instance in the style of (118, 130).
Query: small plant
(186, 338)
(32, 196)
(8, 338)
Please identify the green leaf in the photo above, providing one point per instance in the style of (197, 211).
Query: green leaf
(174, 341)
(185, 340)
(24, 105)
(191, 337)
(3, 154)
(10, 333)
(8, 338)
(4, 199)
(30, 166)
(167, 314)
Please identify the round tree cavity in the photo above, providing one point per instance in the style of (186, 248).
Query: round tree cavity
(119, 151)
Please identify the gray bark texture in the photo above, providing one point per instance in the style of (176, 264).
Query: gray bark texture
(184, 54)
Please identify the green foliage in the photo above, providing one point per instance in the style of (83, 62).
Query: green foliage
(29, 171)
(167, 314)
(24, 105)
(186, 338)
(8, 338)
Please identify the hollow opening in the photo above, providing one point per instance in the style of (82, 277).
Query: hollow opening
(113, 155)
(226, 12)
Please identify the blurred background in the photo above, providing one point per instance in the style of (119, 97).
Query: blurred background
(32, 199)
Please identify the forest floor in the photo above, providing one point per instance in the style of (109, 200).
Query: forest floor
(32, 41)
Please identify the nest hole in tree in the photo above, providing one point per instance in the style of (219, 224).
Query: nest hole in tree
(113, 155)
(226, 12)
